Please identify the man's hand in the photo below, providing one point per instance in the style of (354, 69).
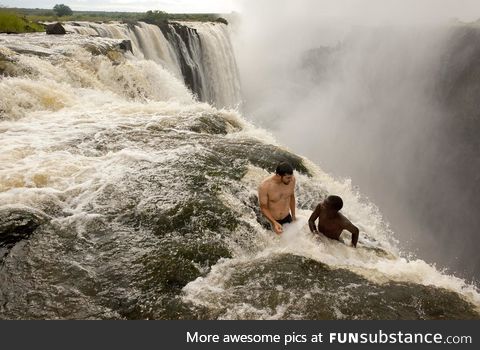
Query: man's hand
(277, 228)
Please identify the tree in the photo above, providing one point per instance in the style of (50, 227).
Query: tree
(62, 10)
(155, 17)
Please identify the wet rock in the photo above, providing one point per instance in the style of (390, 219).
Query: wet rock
(17, 223)
(126, 45)
(115, 56)
(6, 60)
(307, 289)
(30, 50)
(222, 20)
(212, 125)
(184, 40)
(259, 154)
(114, 51)
(55, 29)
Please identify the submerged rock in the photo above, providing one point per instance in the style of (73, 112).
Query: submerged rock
(293, 287)
(115, 51)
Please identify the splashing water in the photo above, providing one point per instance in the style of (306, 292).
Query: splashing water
(141, 203)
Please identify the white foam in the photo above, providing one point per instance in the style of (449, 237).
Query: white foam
(376, 258)
(60, 101)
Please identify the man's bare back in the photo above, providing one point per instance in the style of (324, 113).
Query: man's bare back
(277, 199)
(330, 221)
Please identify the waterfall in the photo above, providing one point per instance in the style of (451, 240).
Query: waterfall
(222, 88)
(124, 197)
(201, 53)
(187, 46)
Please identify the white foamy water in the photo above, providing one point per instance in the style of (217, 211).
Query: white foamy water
(147, 40)
(73, 122)
(69, 95)
(222, 85)
(209, 54)
(376, 257)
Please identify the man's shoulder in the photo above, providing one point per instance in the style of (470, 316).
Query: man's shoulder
(265, 182)
(344, 219)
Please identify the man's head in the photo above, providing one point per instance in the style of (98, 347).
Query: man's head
(285, 171)
(334, 203)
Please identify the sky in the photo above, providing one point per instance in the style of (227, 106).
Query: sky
(462, 9)
(171, 6)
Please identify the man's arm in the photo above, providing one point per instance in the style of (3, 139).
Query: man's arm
(354, 231)
(292, 202)
(313, 217)
(263, 199)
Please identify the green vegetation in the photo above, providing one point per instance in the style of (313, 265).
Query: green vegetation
(197, 17)
(10, 22)
(153, 17)
(159, 17)
(19, 20)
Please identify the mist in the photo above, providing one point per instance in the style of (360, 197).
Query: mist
(384, 93)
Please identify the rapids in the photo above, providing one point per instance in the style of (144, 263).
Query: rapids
(125, 197)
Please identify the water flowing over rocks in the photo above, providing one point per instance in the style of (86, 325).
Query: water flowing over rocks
(187, 45)
(292, 287)
(200, 53)
(123, 197)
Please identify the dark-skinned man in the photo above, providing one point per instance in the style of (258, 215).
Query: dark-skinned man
(331, 222)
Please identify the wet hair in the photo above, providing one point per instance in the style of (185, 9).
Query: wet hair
(283, 169)
(335, 202)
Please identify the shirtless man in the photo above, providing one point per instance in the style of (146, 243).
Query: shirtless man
(277, 197)
(330, 221)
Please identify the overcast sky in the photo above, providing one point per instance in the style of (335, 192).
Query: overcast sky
(172, 6)
(462, 9)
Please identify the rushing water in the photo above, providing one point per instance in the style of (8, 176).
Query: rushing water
(123, 196)
(387, 98)
(192, 50)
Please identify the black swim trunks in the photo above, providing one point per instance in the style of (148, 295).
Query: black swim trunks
(285, 220)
